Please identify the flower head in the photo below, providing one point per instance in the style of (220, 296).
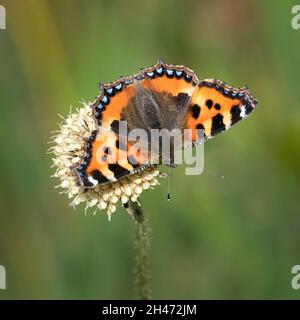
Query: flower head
(69, 150)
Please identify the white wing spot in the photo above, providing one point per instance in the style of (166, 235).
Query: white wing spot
(92, 180)
(243, 112)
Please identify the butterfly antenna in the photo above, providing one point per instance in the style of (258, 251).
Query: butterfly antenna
(169, 178)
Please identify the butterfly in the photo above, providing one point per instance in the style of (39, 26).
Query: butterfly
(163, 96)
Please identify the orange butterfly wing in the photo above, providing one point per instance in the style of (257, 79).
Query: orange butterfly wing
(215, 107)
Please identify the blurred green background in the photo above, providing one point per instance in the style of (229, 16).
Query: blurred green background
(233, 238)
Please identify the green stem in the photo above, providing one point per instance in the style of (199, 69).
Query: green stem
(142, 246)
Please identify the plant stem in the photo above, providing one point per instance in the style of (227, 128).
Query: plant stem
(142, 246)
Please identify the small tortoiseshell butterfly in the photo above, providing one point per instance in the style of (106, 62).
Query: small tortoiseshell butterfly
(161, 96)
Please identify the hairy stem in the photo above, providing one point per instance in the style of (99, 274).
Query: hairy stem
(142, 246)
